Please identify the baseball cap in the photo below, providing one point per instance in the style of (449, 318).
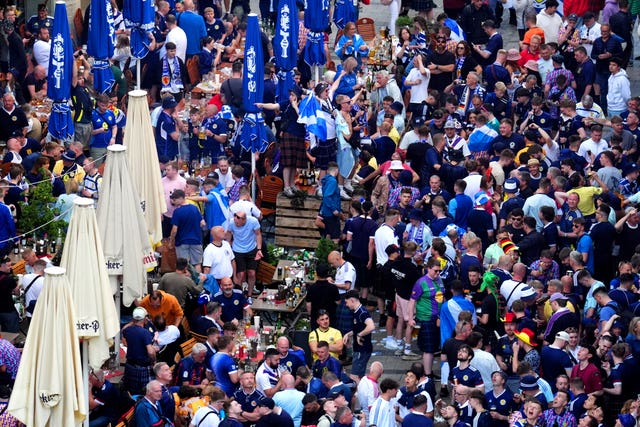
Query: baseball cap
(573, 17)
(139, 313)
(557, 58)
(562, 335)
(396, 165)
(450, 124)
(633, 167)
(392, 249)
(557, 296)
(267, 402)
(169, 102)
(533, 162)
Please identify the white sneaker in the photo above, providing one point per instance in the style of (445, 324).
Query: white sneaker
(344, 195)
(348, 187)
(391, 344)
(319, 192)
(398, 352)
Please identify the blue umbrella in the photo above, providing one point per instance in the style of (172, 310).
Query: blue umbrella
(99, 46)
(345, 11)
(316, 19)
(58, 79)
(285, 46)
(139, 18)
(252, 131)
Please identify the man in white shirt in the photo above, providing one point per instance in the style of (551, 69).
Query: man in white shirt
(593, 146)
(245, 204)
(177, 36)
(224, 173)
(418, 79)
(32, 285)
(345, 278)
(383, 410)
(218, 258)
(268, 379)
(384, 237)
(550, 21)
(368, 389)
(42, 48)
(589, 31)
(482, 360)
(517, 288)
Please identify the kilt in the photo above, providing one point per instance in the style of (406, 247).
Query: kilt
(293, 153)
(344, 318)
(325, 152)
(136, 378)
(429, 336)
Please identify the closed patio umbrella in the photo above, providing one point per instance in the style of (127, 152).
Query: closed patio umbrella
(285, 46)
(316, 19)
(101, 43)
(125, 241)
(143, 163)
(59, 75)
(48, 390)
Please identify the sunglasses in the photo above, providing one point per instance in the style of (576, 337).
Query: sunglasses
(322, 312)
(239, 217)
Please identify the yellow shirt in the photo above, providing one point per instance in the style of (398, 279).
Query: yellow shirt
(548, 311)
(394, 135)
(78, 174)
(587, 205)
(331, 336)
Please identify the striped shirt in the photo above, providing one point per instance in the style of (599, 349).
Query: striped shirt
(383, 413)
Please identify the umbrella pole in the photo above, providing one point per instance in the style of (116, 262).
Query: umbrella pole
(317, 74)
(85, 379)
(116, 339)
(138, 74)
(253, 175)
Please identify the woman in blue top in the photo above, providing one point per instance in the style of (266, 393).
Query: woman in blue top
(351, 44)
(347, 79)
(207, 57)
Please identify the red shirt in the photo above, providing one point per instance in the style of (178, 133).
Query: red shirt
(590, 376)
(526, 55)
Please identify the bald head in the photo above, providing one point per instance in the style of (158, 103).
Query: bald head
(288, 380)
(376, 370)
(505, 262)
(519, 270)
(335, 259)
(217, 233)
(188, 5)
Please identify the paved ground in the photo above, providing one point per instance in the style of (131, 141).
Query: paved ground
(395, 366)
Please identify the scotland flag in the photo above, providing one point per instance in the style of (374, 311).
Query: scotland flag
(312, 115)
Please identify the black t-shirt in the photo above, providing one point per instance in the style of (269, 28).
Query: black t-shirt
(8, 283)
(323, 295)
(311, 418)
(517, 234)
(404, 274)
(628, 239)
(440, 81)
(450, 349)
(603, 234)
(232, 91)
(31, 80)
(361, 230)
(530, 247)
(16, 120)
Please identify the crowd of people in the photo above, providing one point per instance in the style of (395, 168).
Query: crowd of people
(492, 222)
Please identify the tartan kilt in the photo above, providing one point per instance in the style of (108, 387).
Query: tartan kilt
(136, 378)
(293, 153)
(325, 152)
(344, 318)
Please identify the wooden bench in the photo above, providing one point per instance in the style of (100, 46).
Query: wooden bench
(185, 349)
(295, 226)
(199, 338)
(264, 273)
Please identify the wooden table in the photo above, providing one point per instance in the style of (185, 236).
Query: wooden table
(293, 271)
(274, 312)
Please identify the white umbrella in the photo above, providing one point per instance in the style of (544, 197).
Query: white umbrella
(127, 249)
(48, 389)
(96, 316)
(143, 163)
